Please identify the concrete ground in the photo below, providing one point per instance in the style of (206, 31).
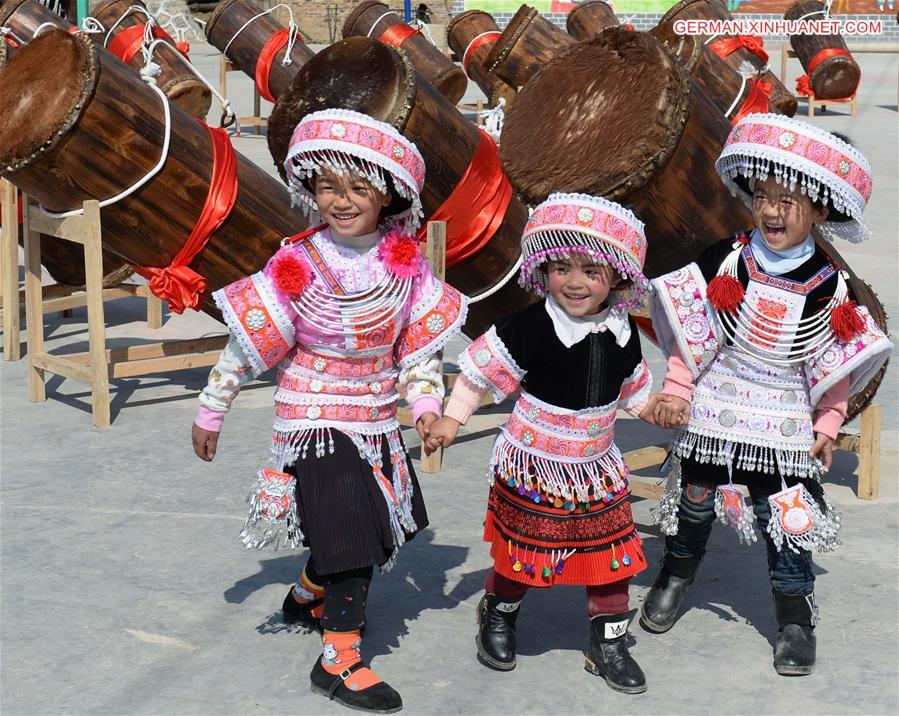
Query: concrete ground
(125, 590)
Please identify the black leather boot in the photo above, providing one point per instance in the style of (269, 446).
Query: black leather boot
(659, 610)
(378, 699)
(607, 655)
(496, 632)
(301, 614)
(794, 650)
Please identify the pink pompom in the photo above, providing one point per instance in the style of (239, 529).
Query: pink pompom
(400, 254)
(290, 274)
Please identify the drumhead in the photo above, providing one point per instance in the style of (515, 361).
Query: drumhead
(600, 119)
(53, 78)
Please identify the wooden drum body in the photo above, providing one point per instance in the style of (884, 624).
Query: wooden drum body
(371, 77)
(735, 54)
(101, 131)
(589, 19)
(471, 35)
(175, 79)
(832, 71)
(528, 42)
(374, 19)
(246, 46)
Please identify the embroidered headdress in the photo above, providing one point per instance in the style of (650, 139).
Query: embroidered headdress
(348, 142)
(800, 155)
(605, 231)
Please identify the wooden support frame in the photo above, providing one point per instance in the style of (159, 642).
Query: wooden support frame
(786, 53)
(98, 364)
(56, 297)
(257, 121)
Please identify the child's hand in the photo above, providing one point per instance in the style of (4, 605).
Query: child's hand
(443, 433)
(423, 424)
(671, 411)
(205, 442)
(823, 449)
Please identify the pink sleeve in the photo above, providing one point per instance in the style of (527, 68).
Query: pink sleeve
(465, 399)
(677, 378)
(830, 412)
(426, 404)
(209, 419)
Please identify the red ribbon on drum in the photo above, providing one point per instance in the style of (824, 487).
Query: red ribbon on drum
(396, 35)
(728, 45)
(757, 101)
(803, 85)
(127, 42)
(178, 284)
(485, 38)
(264, 63)
(477, 206)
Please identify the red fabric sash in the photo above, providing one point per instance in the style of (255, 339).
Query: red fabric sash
(757, 101)
(396, 35)
(726, 45)
(826, 54)
(264, 63)
(477, 206)
(803, 86)
(178, 284)
(126, 43)
(486, 39)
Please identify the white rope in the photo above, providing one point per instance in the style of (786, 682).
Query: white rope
(493, 119)
(736, 101)
(92, 26)
(474, 40)
(51, 25)
(227, 113)
(372, 28)
(14, 36)
(133, 9)
(292, 26)
(490, 291)
(149, 175)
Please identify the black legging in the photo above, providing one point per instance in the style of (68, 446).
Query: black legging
(346, 594)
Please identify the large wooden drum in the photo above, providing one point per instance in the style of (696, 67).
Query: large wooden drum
(528, 42)
(88, 128)
(735, 51)
(471, 35)
(831, 70)
(259, 48)
(124, 21)
(374, 19)
(589, 19)
(371, 77)
(640, 132)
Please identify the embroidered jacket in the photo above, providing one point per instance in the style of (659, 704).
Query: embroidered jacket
(562, 426)
(760, 372)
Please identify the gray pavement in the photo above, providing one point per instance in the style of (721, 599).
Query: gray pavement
(124, 589)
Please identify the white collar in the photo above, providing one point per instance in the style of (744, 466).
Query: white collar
(780, 262)
(355, 245)
(572, 329)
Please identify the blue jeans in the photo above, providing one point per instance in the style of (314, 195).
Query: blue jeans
(790, 573)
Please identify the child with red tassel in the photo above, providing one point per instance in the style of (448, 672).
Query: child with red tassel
(765, 346)
(346, 310)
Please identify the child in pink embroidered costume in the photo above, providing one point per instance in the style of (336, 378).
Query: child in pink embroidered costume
(558, 511)
(346, 310)
(766, 345)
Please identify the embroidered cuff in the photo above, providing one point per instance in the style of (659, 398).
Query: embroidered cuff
(210, 420)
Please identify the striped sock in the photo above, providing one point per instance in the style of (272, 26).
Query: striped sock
(306, 591)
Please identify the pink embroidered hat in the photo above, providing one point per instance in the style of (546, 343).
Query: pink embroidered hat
(602, 229)
(823, 167)
(348, 142)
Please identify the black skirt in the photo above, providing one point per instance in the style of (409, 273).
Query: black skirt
(343, 514)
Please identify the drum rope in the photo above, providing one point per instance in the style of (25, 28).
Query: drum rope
(733, 105)
(14, 36)
(291, 39)
(133, 9)
(497, 287)
(143, 180)
(372, 28)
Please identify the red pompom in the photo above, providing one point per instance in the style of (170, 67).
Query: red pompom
(846, 321)
(290, 274)
(726, 293)
(400, 254)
